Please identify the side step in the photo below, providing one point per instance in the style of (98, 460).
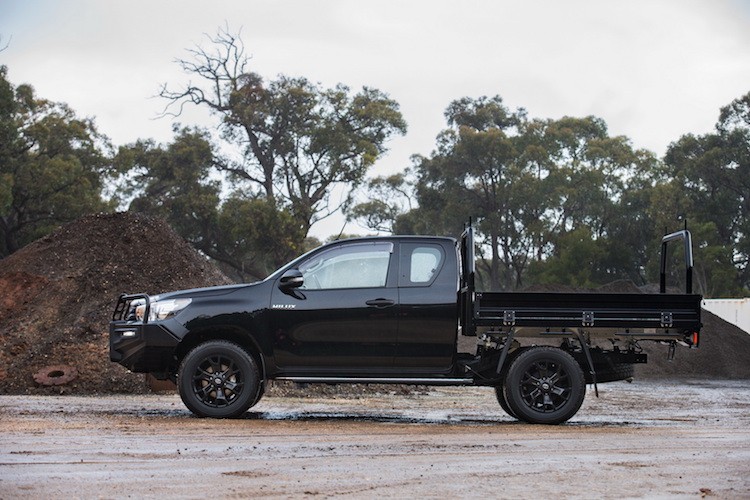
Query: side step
(378, 380)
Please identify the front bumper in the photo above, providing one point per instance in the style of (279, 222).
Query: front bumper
(142, 348)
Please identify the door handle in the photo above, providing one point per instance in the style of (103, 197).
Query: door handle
(380, 302)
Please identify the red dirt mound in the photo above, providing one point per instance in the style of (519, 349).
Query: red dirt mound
(57, 296)
(724, 352)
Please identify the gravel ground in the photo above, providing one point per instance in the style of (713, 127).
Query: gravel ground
(686, 439)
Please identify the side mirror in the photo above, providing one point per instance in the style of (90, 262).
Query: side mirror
(291, 279)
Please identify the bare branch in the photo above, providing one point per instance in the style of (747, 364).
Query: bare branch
(221, 68)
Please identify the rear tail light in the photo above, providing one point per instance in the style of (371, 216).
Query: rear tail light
(694, 340)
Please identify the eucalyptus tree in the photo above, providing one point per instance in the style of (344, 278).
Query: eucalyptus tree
(711, 173)
(300, 146)
(52, 163)
(477, 170)
(599, 189)
(553, 200)
(246, 236)
(389, 198)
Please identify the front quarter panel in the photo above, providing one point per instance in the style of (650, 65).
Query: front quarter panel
(242, 313)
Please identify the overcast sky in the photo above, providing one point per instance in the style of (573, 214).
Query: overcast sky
(653, 70)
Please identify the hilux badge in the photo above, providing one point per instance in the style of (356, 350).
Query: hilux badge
(283, 306)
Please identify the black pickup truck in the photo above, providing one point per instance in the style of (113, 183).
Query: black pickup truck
(390, 310)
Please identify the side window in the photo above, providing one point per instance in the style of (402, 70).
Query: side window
(420, 264)
(358, 265)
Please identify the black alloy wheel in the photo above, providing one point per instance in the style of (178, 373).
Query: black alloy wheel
(219, 379)
(545, 385)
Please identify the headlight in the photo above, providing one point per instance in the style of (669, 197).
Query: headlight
(161, 309)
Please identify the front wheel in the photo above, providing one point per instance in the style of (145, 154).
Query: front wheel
(544, 385)
(218, 379)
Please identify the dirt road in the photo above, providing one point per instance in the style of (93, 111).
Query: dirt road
(684, 439)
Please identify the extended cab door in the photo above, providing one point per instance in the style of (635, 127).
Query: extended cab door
(428, 309)
(343, 319)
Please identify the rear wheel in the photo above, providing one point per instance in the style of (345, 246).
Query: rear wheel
(544, 385)
(500, 395)
(219, 379)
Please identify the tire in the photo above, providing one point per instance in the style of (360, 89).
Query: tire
(611, 372)
(500, 395)
(258, 395)
(544, 385)
(219, 379)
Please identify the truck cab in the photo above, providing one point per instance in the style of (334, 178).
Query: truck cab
(369, 307)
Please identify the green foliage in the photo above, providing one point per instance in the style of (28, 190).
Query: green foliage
(712, 172)
(247, 237)
(9, 138)
(288, 145)
(554, 201)
(52, 166)
(578, 262)
(545, 194)
(562, 201)
(389, 197)
(172, 182)
(293, 142)
(254, 237)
